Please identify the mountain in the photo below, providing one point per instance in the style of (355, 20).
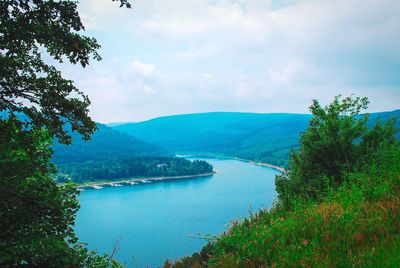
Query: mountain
(260, 137)
(105, 144)
(384, 116)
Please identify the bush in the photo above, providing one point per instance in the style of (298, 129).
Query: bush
(336, 141)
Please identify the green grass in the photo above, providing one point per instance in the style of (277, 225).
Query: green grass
(355, 225)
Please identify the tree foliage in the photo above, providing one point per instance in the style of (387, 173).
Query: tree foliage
(30, 29)
(35, 214)
(336, 141)
(123, 3)
(36, 102)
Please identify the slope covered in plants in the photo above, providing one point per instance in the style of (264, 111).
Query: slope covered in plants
(341, 213)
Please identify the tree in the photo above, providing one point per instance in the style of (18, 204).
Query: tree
(35, 214)
(31, 87)
(336, 141)
(36, 102)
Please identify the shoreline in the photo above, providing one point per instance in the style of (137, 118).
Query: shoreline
(136, 181)
(210, 155)
(281, 169)
(144, 180)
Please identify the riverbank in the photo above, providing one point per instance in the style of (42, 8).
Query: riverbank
(141, 180)
(224, 157)
(281, 169)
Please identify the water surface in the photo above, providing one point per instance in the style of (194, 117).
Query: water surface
(161, 220)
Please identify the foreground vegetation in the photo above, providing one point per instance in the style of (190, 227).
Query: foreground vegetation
(352, 219)
(36, 215)
(36, 105)
(134, 167)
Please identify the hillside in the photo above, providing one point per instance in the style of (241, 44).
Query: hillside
(338, 206)
(356, 225)
(105, 144)
(259, 137)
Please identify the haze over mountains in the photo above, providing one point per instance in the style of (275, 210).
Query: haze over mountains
(260, 137)
(246, 135)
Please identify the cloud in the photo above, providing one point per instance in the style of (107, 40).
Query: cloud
(173, 56)
(141, 68)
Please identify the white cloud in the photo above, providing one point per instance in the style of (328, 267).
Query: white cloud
(144, 69)
(196, 53)
(173, 56)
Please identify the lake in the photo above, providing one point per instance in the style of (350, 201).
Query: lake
(168, 220)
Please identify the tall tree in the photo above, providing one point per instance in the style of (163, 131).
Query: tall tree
(30, 86)
(326, 148)
(36, 102)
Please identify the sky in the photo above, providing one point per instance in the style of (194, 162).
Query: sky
(165, 57)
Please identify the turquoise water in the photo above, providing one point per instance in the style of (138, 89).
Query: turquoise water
(161, 220)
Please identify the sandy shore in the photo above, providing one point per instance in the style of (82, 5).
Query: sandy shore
(205, 155)
(281, 169)
(99, 185)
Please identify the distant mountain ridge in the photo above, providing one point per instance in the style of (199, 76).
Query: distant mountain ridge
(260, 137)
(105, 144)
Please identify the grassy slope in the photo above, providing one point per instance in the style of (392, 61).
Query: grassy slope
(357, 225)
(261, 137)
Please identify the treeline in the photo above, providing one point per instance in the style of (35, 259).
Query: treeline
(338, 205)
(145, 166)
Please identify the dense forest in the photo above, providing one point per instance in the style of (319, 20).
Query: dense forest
(132, 167)
(338, 204)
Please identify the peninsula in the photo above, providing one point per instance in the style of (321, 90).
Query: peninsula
(132, 170)
(137, 181)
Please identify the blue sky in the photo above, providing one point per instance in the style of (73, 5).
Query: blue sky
(168, 57)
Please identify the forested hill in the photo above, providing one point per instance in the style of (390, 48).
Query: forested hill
(133, 167)
(105, 144)
(260, 137)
